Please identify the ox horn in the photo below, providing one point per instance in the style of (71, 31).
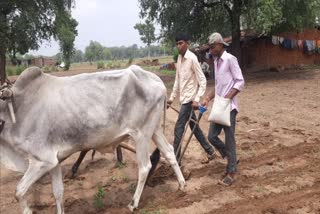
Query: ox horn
(10, 106)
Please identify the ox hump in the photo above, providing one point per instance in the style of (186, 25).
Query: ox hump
(27, 76)
(143, 74)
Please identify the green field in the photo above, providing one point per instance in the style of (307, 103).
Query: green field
(103, 65)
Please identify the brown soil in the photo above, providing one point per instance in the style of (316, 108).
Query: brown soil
(278, 143)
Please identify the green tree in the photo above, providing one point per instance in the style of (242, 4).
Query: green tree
(106, 53)
(146, 32)
(66, 34)
(94, 51)
(24, 24)
(59, 57)
(201, 18)
(78, 56)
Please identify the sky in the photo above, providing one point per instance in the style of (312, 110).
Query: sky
(109, 22)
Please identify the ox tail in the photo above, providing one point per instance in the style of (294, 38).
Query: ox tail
(155, 156)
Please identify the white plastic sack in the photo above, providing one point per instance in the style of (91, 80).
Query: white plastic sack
(220, 112)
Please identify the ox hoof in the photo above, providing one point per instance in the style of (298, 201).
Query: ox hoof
(182, 186)
(27, 211)
(131, 207)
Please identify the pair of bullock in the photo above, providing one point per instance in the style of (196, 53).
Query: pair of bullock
(54, 117)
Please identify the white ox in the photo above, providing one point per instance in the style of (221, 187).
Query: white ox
(58, 116)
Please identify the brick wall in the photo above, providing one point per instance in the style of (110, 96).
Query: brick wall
(262, 54)
(43, 61)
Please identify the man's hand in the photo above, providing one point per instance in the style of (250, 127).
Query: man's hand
(228, 96)
(232, 93)
(205, 102)
(169, 102)
(195, 105)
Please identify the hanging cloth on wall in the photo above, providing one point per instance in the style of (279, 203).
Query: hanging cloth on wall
(300, 44)
(281, 40)
(318, 45)
(275, 40)
(312, 45)
(309, 46)
(305, 47)
(294, 43)
(286, 43)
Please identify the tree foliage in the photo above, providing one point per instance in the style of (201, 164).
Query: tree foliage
(66, 33)
(96, 52)
(201, 18)
(24, 24)
(146, 32)
(282, 15)
(78, 56)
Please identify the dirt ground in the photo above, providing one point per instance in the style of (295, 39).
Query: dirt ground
(278, 143)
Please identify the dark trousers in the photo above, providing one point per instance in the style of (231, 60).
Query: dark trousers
(227, 149)
(184, 115)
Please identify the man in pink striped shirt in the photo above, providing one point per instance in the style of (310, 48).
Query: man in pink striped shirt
(228, 83)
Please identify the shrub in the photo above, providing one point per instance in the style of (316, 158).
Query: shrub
(54, 68)
(109, 64)
(98, 197)
(100, 65)
(116, 64)
(46, 69)
(130, 61)
(19, 69)
(168, 72)
(10, 71)
(175, 55)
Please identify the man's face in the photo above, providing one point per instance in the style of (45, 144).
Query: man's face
(216, 49)
(182, 46)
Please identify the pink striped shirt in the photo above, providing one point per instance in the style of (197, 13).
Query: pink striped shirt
(228, 75)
